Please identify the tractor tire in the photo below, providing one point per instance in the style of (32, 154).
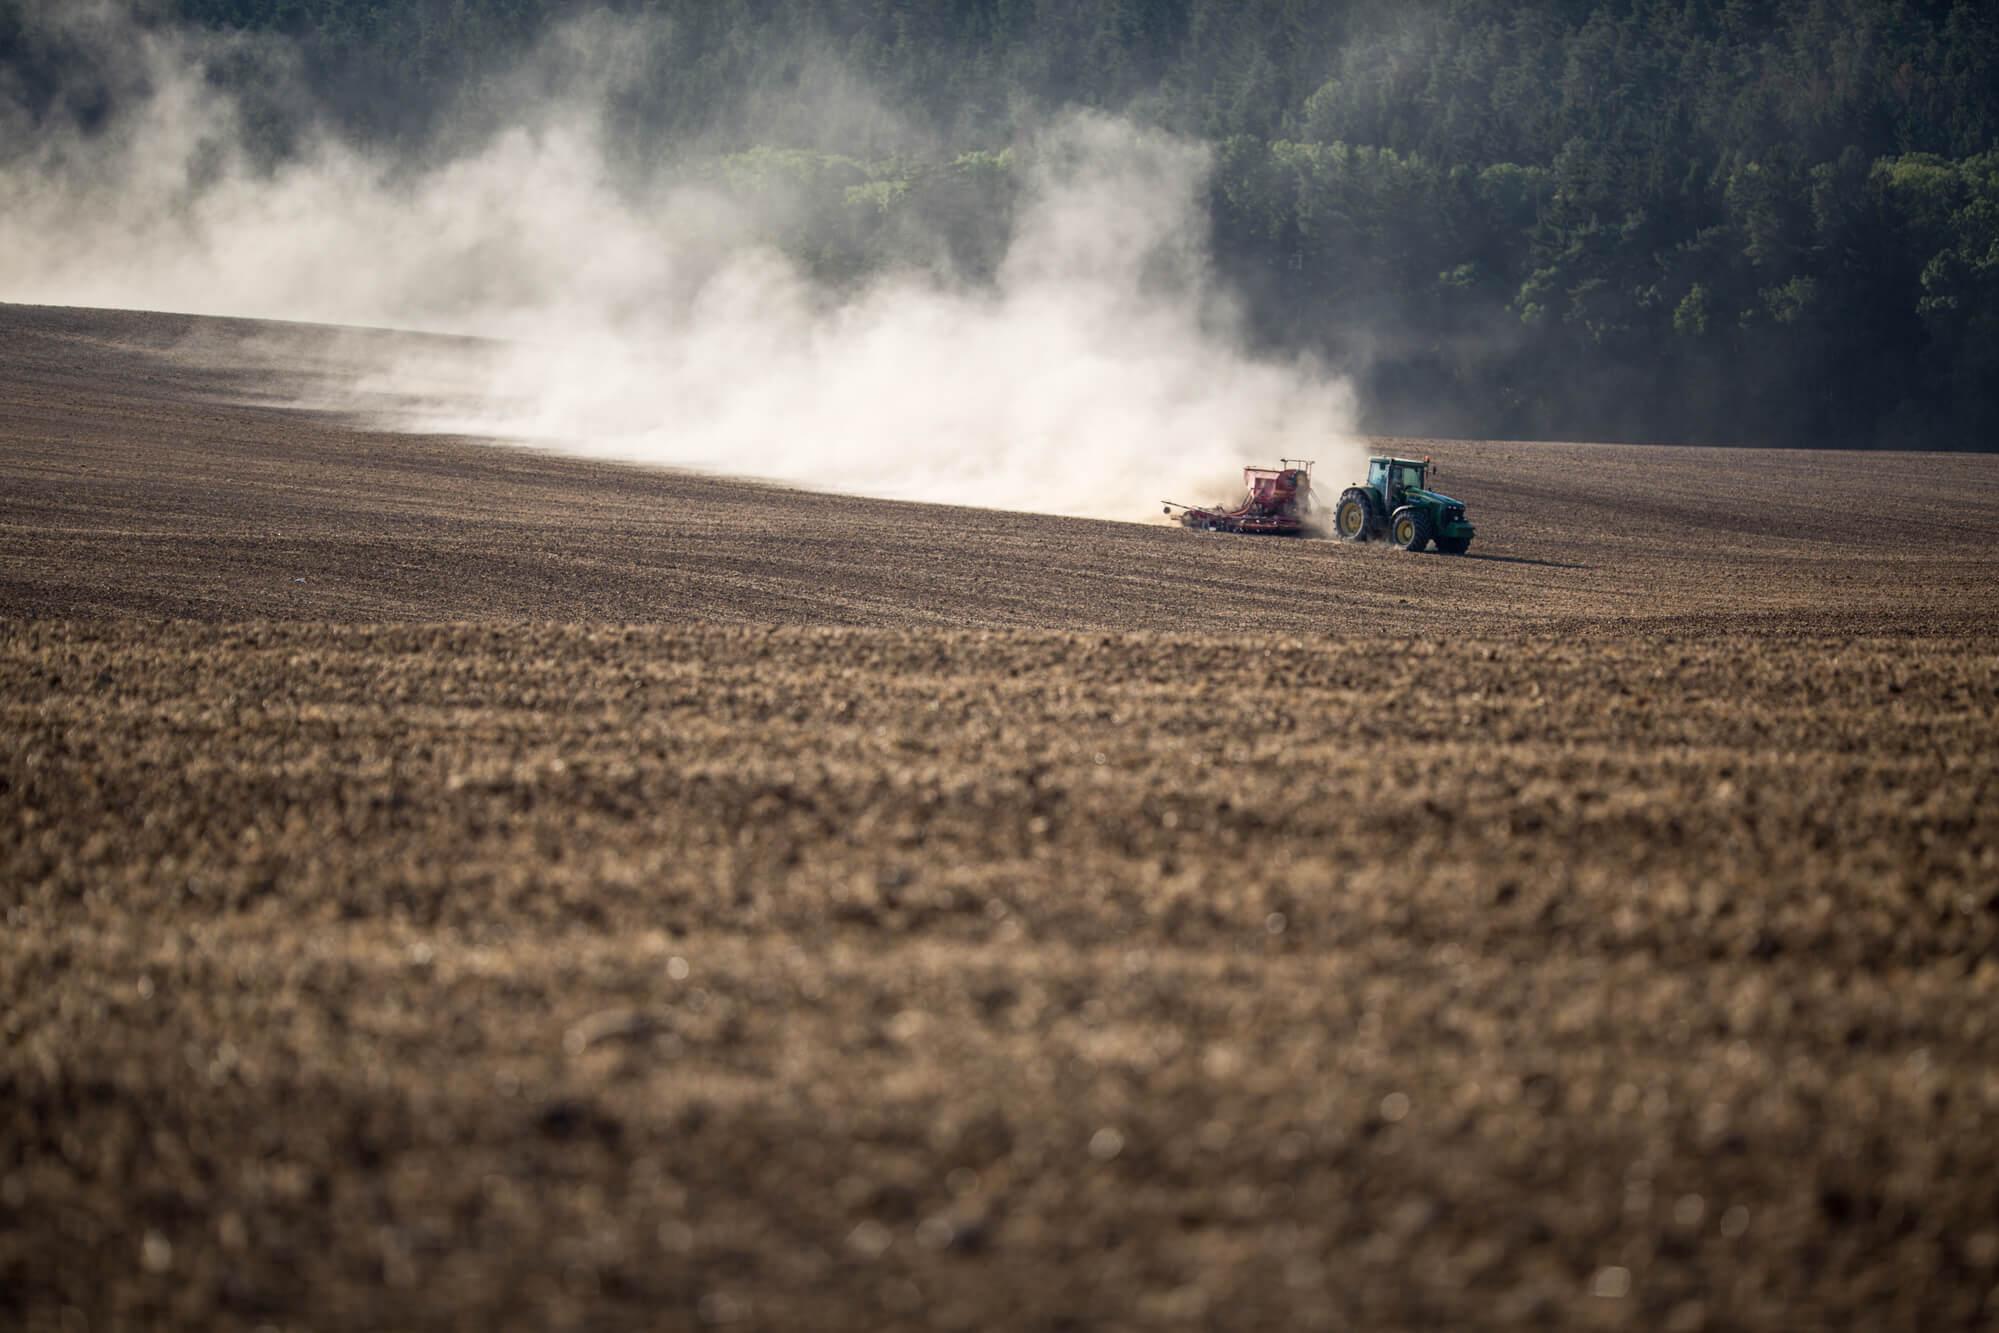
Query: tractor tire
(1453, 545)
(1409, 528)
(1351, 520)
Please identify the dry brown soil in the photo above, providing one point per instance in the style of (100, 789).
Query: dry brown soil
(446, 885)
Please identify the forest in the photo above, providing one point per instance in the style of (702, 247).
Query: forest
(1769, 222)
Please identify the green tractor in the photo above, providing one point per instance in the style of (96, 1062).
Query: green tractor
(1393, 504)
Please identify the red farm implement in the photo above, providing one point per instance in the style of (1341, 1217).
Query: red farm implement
(1278, 503)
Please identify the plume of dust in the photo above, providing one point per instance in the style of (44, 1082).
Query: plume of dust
(652, 320)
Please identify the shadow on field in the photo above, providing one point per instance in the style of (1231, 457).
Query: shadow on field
(1522, 560)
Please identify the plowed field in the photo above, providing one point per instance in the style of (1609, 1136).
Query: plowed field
(447, 885)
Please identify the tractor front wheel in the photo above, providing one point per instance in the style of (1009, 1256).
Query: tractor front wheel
(1350, 519)
(1453, 545)
(1409, 528)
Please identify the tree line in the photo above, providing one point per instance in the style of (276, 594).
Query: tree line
(1758, 221)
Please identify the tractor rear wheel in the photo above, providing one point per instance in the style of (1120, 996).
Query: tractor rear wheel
(1409, 528)
(1350, 520)
(1453, 545)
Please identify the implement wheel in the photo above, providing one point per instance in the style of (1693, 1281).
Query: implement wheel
(1409, 528)
(1351, 518)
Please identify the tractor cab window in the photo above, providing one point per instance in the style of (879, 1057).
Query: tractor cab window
(1409, 478)
(1377, 474)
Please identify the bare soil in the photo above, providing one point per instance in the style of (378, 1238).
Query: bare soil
(447, 885)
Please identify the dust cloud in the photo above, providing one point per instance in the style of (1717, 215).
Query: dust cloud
(648, 314)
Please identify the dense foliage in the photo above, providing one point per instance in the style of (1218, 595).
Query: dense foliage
(1773, 221)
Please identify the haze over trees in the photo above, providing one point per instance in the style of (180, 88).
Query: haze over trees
(1760, 221)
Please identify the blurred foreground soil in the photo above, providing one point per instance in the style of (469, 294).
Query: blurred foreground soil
(602, 898)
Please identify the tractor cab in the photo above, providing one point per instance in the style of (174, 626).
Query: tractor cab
(1393, 478)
